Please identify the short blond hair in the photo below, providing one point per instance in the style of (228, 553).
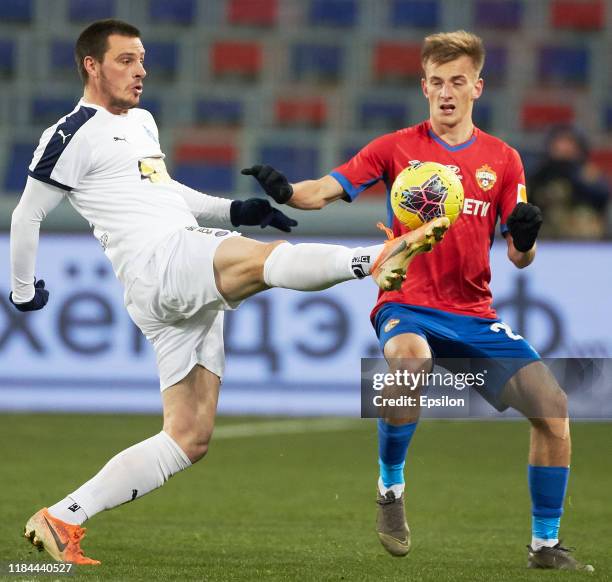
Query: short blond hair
(444, 47)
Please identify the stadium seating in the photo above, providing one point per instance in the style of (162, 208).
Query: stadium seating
(180, 12)
(319, 70)
(538, 116)
(608, 118)
(204, 166)
(88, 10)
(563, 64)
(162, 59)
(297, 162)
(414, 13)
(219, 111)
(16, 11)
(397, 61)
(314, 62)
(7, 58)
(48, 110)
(300, 112)
(333, 13)
(578, 14)
(19, 158)
(252, 12)
(375, 113)
(602, 158)
(496, 65)
(498, 14)
(237, 59)
(61, 57)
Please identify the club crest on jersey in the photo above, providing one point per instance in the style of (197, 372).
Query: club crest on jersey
(391, 324)
(154, 170)
(486, 177)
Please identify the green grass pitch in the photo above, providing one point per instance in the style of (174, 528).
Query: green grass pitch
(280, 499)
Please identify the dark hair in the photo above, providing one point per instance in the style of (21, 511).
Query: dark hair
(93, 41)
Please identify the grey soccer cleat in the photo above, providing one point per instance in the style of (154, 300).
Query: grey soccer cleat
(391, 525)
(555, 558)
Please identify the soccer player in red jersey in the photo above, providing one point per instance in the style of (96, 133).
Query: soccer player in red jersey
(444, 308)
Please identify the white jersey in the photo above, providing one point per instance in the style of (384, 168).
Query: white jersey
(112, 170)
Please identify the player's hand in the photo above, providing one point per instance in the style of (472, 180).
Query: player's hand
(272, 181)
(524, 224)
(256, 211)
(41, 296)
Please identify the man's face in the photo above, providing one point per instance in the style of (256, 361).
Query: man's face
(119, 77)
(451, 89)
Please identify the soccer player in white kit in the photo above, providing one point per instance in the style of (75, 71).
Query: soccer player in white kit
(178, 277)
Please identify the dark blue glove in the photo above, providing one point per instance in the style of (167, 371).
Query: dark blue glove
(41, 296)
(524, 224)
(272, 181)
(259, 211)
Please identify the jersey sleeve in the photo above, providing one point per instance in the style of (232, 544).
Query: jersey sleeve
(63, 155)
(36, 202)
(513, 188)
(366, 167)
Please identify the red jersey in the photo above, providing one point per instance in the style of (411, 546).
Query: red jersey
(454, 276)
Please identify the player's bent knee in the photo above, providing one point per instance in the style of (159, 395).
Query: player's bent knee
(553, 428)
(193, 441)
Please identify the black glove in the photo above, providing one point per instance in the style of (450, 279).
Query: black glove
(41, 296)
(259, 211)
(524, 224)
(272, 181)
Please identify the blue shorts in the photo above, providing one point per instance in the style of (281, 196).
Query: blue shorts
(485, 342)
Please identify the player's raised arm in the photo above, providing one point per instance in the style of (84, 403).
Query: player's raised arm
(306, 195)
(251, 212)
(37, 200)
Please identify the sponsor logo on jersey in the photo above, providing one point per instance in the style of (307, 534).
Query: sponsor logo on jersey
(486, 177)
(521, 193)
(475, 207)
(391, 324)
(120, 138)
(154, 170)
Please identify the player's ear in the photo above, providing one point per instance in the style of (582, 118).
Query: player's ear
(424, 87)
(91, 66)
(478, 87)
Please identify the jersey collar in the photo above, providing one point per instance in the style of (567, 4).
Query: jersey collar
(448, 147)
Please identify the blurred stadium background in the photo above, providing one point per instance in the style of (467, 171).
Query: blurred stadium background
(301, 85)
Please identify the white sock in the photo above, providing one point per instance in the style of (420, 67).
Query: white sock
(315, 266)
(537, 543)
(68, 510)
(129, 475)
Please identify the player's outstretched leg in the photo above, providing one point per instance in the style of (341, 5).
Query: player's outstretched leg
(61, 540)
(244, 266)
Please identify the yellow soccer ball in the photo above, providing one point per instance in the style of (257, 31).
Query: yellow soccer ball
(425, 191)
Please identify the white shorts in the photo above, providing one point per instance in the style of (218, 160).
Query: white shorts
(176, 304)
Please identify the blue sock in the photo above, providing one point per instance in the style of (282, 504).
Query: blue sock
(393, 441)
(547, 486)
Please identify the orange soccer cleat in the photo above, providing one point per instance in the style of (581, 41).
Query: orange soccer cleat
(61, 540)
(389, 269)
